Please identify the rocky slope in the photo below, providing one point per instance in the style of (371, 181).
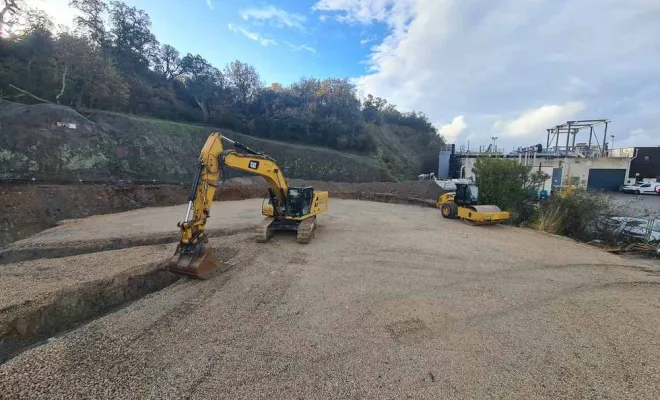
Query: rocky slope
(50, 142)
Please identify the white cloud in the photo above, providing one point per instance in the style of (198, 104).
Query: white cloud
(452, 130)
(499, 60)
(636, 136)
(393, 12)
(533, 121)
(252, 35)
(210, 4)
(367, 40)
(276, 16)
(301, 47)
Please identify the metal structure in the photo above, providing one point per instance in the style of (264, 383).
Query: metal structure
(573, 128)
(446, 161)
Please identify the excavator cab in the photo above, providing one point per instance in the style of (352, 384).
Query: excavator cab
(299, 201)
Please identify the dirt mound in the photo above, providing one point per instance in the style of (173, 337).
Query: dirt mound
(414, 189)
(427, 190)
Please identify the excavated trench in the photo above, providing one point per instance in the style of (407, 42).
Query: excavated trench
(32, 321)
(14, 254)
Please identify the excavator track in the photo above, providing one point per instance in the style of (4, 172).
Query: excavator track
(264, 230)
(306, 230)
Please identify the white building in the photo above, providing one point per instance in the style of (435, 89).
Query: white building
(592, 173)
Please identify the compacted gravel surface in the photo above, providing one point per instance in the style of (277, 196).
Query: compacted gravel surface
(387, 302)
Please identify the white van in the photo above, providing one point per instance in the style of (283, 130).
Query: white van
(643, 188)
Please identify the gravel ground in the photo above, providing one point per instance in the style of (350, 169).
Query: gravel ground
(643, 205)
(228, 215)
(388, 302)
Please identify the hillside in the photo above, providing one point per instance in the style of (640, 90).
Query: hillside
(36, 142)
(117, 67)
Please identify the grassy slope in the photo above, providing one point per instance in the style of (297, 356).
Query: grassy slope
(156, 139)
(109, 146)
(399, 158)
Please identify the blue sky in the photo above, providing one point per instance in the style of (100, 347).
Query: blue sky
(477, 68)
(220, 32)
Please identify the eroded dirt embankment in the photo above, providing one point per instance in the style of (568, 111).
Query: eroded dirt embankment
(28, 209)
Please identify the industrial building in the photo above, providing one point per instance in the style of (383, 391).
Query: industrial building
(644, 162)
(602, 173)
(589, 164)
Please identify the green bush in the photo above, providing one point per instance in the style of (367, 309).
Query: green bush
(576, 213)
(508, 185)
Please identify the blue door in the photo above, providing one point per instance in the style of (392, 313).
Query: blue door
(609, 180)
(556, 176)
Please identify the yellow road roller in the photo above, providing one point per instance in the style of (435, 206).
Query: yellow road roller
(463, 204)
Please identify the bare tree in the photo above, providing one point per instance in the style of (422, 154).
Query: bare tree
(10, 9)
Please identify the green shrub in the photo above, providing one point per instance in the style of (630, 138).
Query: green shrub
(508, 185)
(576, 213)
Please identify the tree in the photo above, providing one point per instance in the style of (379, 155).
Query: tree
(305, 89)
(91, 19)
(9, 11)
(204, 82)
(168, 63)
(88, 79)
(372, 108)
(245, 80)
(133, 44)
(113, 61)
(26, 62)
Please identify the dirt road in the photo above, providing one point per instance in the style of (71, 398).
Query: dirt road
(388, 302)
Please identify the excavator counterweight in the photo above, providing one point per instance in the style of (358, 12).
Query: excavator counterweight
(288, 208)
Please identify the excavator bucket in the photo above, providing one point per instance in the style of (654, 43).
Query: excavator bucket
(200, 263)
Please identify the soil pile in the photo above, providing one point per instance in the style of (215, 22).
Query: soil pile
(425, 190)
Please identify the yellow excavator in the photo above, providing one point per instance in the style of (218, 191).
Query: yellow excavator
(463, 204)
(287, 208)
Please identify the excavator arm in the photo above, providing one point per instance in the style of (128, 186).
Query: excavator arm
(193, 256)
(202, 191)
